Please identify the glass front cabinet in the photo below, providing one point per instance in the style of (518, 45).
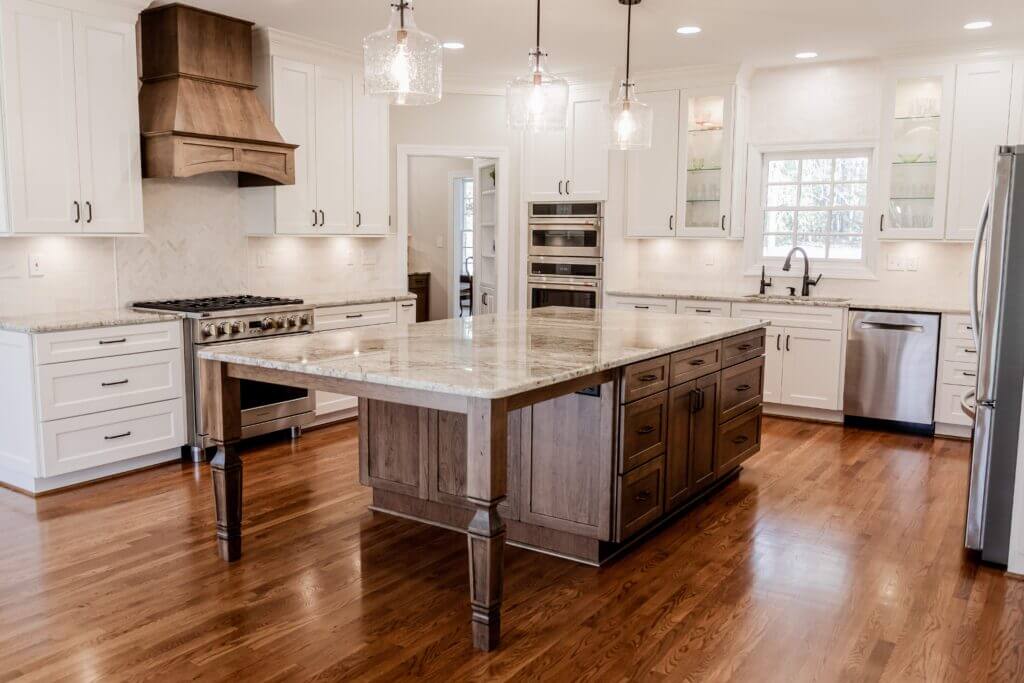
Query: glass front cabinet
(705, 159)
(917, 125)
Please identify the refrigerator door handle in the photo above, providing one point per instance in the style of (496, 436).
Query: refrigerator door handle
(975, 267)
(965, 405)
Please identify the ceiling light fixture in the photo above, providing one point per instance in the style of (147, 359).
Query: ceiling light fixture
(631, 119)
(688, 30)
(806, 55)
(401, 62)
(540, 100)
(452, 45)
(975, 25)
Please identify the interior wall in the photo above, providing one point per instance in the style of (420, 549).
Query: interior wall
(824, 103)
(430, 239)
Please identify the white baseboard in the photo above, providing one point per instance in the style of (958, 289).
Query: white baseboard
(800, 413)
(953, 431)
(36, 485)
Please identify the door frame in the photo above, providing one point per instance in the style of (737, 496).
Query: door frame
(503, 157)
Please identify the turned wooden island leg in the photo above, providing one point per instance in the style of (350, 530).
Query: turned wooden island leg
(222, 417)
(487, 446)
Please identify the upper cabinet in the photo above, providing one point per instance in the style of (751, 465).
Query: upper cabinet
(571, 164)
(682, 186)
(70, 122)
(320, 106)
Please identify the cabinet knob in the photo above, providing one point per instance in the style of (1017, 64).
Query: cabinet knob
(740, 439)
(743, 387)
(646, 429)
(648, 378)
(642, 497)
(697, 361)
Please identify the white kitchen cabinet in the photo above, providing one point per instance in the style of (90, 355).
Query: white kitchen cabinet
(773, 364)
(957, 374)
(370, 162)
(718, 309)
(811, 368)
(981, 123)
(639, 303)
(406, 312)
(334, 151)
(488, 300)
(70, 122)
(705, 162)
(917, 125)
(652, 174)
(571, 164)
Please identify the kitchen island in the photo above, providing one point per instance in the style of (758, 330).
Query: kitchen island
(581, 427)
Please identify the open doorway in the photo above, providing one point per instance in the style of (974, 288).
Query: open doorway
(453, 215)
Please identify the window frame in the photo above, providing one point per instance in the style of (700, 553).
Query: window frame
(757, 184)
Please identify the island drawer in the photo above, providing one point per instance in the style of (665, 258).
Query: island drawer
(641, 498)
(644, 428)
(742, 386)
(645, 378)
(743, 347)
(738, 439)
(694, 363)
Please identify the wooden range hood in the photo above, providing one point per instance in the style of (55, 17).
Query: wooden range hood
(198, 106)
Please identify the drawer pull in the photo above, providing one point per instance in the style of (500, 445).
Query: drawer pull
(408, 305)
(113, 384)
(646, 429)
(743, 387)
(970, 350)
(702, 310)
(354, 315)
(745, 347)
(648, 378)
(970, 374)
(117, 436)
(740, 439)
(641, 308)
(642, 497)
(698, 361)
(122, 340)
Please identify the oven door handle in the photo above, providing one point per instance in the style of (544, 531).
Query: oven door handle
(568, 287)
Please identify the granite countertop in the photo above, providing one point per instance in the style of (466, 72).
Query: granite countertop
(364, 296)
(38, 323)
(489, 356)
(909, 307)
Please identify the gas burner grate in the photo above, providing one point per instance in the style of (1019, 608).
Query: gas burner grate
(217, 303)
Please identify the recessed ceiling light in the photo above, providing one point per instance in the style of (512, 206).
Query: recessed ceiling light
(688, 30)
(806, 55)
(452, 45)
(975, 25)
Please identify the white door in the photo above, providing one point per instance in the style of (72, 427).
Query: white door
(773, 358)
(652, 174)
(810, 368)
(295, 116)
(371, 169)
(980, 124)
(108, 125)
(587, 151)
(545, 166)
(334, 151)
(705, 162)
(41, 118)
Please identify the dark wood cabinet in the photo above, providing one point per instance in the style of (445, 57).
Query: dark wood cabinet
(692, 435)
(738, 439)
(419, 284)
(705, 433)
(644, 425)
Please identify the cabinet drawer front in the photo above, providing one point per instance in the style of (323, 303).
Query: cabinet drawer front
(98, 384)
(656, 305)
(961, 351)
(947, 405)
(741, 388)
(406, 312)
(719, 309)
(345, 317)
(641, 499)
(78, 443)
(738, 439)
(58, 347)
(793, 315)
(744, 347)
(645, 378)
(957, 327)
(694, 363)
(644, 425)
(962, 374)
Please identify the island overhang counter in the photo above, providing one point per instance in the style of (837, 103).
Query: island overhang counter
(582, 427)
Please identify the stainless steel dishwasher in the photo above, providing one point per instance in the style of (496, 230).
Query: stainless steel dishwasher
(891, 359)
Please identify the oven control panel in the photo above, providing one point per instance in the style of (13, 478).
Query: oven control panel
(252, 326)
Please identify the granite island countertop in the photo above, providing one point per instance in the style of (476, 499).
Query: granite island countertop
(489, 356)
(831, 302)
(40, 323)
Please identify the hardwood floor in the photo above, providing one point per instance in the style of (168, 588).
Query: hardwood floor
(836, 555)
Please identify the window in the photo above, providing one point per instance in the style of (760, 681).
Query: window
(815, 200)
(464, 207)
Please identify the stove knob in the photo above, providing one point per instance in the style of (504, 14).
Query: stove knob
(268, 323)
(292, 321)
(224, 328)
(304, 319)
(279, 323)
(237, 327)
(208, 330)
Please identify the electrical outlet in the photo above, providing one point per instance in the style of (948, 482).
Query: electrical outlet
(261, 259)
(439, 242)
(913, 263)
(35, 265)
(895, 262)
(709, 259)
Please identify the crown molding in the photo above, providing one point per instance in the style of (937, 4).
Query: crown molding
(125, 10)
(275, 42)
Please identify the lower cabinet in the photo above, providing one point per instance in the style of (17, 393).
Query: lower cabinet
(803, 367)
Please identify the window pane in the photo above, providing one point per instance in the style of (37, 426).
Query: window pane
(816, 170)
(846, 247)
(814, 245)
(779, 221)
(815, 195)
(851, 194)
(783, 171)
(781, 195)
(812, 221)
(848, 221)
(851, 168)
(777, 245)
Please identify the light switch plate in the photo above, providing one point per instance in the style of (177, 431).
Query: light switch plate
(35, 265)
(895, 262)
(913, 263)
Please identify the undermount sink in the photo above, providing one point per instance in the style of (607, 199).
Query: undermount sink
(802, 299)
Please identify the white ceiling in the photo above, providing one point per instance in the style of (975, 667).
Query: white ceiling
(589, 35)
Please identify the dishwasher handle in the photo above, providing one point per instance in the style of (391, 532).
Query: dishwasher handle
(895, 327)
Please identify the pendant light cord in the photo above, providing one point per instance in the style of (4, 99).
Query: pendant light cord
(629, 38)
(538, 26)
(402, 4)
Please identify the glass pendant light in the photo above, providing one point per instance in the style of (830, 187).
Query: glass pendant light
(540, 100)
(631, 119)
(402, 63)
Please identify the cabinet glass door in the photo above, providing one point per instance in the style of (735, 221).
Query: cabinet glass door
(706, 153)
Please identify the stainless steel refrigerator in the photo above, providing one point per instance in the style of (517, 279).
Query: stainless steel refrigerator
(997, 313)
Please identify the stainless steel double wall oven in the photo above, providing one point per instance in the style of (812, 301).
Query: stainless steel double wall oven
(566, 255)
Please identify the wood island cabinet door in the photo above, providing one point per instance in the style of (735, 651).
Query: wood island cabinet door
(682, 401)
(704, 431)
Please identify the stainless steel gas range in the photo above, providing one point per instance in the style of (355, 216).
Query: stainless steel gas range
(232, 319)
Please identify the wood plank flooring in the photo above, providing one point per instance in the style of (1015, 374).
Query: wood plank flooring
(837, 555)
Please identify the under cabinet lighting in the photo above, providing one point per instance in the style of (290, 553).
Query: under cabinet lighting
(806, 55)
(975, 25)
(453, 45)
(688, 30)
